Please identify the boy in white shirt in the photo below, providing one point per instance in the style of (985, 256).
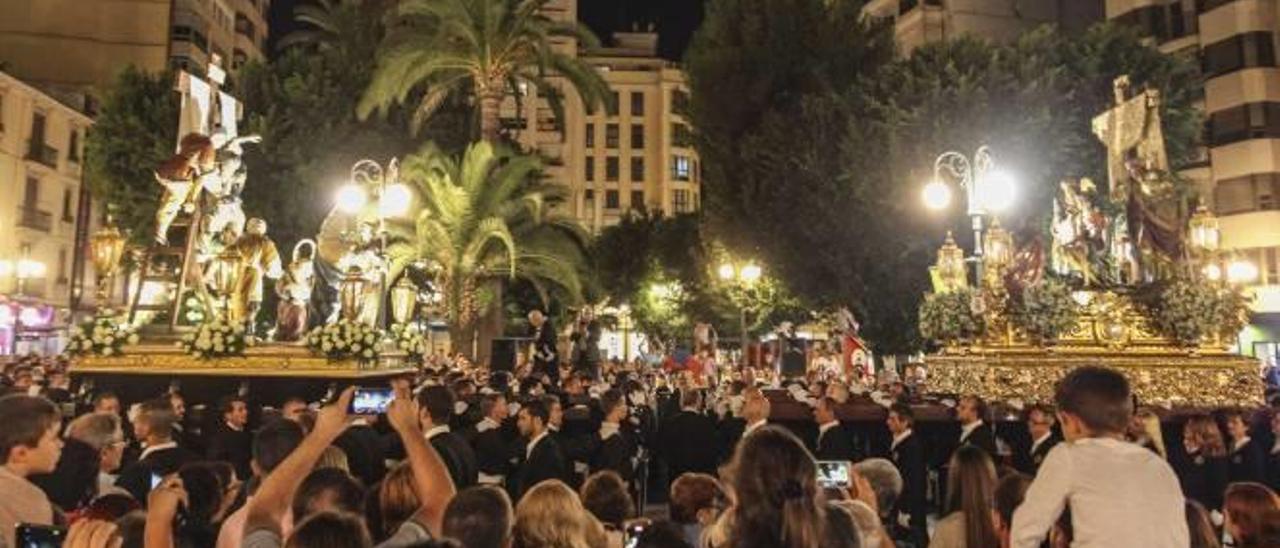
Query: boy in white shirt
(1119, 493)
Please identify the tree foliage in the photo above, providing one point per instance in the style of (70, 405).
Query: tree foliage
(136, 131)
(818, 161)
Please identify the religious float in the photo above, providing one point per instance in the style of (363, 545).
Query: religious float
(191, 306)
(1132, 280)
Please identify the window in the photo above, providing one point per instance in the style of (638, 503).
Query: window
(637, 169)
(613, 104)
(590, 135)
(37, 128)
(62, 266)
(637, 103)
(1271, 266)
(637, 136)
(589, 195)
(1247, 121)
(1163, 22)
(32, 195)
(680, 168)
(1250, 49)
(680, 201)
(611, 136)
(73, 146)
(679, 101)
(637, 199)
(590, 171)
(611, 199)
(680, 136)
(611, 168)
(1250, 193)
(68, 214)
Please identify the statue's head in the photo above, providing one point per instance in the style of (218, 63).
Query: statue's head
(198, 149)
(256, 226)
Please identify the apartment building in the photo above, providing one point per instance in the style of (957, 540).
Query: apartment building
(1235, 42)
(919, 22)
(638, 153)
(234, 30)
(43, 276)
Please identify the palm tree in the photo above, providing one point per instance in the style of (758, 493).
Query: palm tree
(486, 219)
(344, 26)
(488, 49)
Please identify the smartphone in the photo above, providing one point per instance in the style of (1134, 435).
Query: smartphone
(834, 473)
(29, 535)
(631, 535)
(371, 401)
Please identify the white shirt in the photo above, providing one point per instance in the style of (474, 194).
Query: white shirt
(751, 427)
(608, 429)
(967, 429)
(1120, 494)
(486, 424)
(899, 439)
(157, 447)
(437, 430)
(1036, 444)
(534, 442)
(1239, 443)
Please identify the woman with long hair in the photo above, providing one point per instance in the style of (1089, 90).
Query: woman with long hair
(1203, 470)
(1252, 513)
(1144, 430)
(1200, 527)
(775, 500)
(397, 501)
(551, 516)
(971, 486)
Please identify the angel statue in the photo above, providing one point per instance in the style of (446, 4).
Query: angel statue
(294, 289)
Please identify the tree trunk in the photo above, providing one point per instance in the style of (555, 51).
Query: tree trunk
(490, 119)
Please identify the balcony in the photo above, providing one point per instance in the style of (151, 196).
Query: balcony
(41, 153)
(33, 218)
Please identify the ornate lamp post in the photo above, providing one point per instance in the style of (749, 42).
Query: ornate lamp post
(107, 247)
(370, 182)
(350, 291)
(988, 190)
(949, 269)
(404, 301)
(225, 272)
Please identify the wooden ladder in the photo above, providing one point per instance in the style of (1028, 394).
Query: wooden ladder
(158, 272)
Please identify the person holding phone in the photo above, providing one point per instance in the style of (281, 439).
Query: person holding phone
(30, 444)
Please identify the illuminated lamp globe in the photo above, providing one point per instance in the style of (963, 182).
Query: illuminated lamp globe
(1242, 272)
(350, 198)
(997, 191)
(751, 273)
(937, 195)
(395, 201)
(1213, 272)
(726, 271)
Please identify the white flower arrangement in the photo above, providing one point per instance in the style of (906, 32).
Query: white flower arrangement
(215, 339)
(409, 339)
(346, 339)
(104, 335)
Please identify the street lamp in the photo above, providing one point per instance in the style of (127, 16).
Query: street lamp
(744, 277)
(107, 247)
(369, 182)
(988, 190)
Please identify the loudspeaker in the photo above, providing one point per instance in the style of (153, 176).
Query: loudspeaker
(502, 354)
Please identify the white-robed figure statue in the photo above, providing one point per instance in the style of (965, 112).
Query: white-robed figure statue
(220, 202)
(365, 256)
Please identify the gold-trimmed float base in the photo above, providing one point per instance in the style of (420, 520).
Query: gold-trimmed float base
(268, 360)
(1170, 378)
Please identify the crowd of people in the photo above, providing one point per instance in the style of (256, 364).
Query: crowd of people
(464, 456)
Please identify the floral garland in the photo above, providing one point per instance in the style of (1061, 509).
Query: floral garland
(1046, 310)
(346, 339)
(950, 316)
(410, 340)
(1191, 311)
(215, 339)
(104, 335)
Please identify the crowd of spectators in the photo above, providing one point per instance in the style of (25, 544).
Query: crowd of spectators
(626, 457)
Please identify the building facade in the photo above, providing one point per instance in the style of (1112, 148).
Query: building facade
(1235, 41)
(636, 154)
(43, 227)
(234, 30)
(919, 22)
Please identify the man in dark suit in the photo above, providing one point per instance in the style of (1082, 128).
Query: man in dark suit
(365, 450)
(615, 447)
(690, 423)
(436, 409)
(1247, 459)
(971, 412)
(546, 358)
(907, 453)
(160, 456)
(543, 458)
(1040, 421)
(492, 442)
(833, 441)
(230, 441)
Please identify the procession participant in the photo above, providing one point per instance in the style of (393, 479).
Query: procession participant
(193, 163)
(546, 358)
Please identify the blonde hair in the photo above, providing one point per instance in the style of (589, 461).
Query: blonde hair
(551, 516)
(1204, 431)
(333, 457)
(1151, 427)
(397, 500)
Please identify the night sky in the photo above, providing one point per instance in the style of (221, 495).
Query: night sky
(675, 20)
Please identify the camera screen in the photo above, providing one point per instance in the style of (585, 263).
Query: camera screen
(371, 401)
(632, 536)
(39, 536)
(833, 473)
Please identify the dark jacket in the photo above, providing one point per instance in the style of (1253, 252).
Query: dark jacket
(136, 478)
(364, 452)
(74, 482)
(494, 451)
(1248, 463)
(614, 453)
(982, 437)
(1203, 479)
(458, 458)
(909, 457)
(835, 444)
(233, 446)
(546, 461)
(685, 444)
(1028, 461)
